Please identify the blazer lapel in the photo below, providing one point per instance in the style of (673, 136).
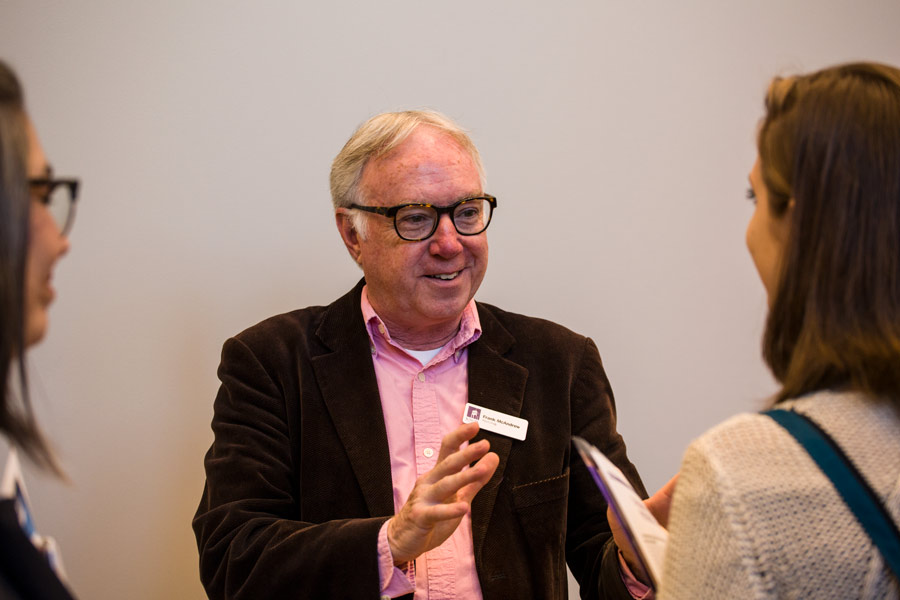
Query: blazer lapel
(498, 384)
(349, 388)
(347, 381)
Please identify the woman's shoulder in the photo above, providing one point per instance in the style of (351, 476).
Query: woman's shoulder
(868, 430)
(745, 444)
(839, 413)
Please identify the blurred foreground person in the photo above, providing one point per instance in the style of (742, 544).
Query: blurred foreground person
(36, 212)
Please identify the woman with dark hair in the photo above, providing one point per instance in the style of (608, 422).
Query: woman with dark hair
(753, 515)
(36, 212)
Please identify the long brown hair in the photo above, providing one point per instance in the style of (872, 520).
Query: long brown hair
(830, 141)
(16, 416)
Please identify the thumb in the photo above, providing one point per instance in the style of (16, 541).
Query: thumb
(659, 503)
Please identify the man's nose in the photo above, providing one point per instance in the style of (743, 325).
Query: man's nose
(445, 241)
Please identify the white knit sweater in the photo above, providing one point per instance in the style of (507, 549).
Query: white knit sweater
(754, 517)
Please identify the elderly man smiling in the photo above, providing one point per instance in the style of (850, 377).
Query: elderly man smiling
(342, 466)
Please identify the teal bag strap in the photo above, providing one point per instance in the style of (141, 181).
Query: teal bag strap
(848, 481)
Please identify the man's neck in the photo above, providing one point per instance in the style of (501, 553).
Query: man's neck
(413, 334)
(421, 339)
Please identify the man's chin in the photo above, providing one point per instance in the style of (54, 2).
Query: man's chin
(442, 311)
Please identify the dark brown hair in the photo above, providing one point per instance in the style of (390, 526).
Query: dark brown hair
(16, 417)
(830, 141)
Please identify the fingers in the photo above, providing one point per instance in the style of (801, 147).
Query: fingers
(486, 468)
(659, 503)
(451, 459)
(446, 500)
(624, 545)
(456, 461)
(469, 480)
(437, 513)
(441, 497)
(453, 440)
(669, 488)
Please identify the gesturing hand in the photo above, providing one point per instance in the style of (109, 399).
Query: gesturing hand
(442, 496)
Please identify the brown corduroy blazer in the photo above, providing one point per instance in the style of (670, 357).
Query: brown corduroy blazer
(299, 475)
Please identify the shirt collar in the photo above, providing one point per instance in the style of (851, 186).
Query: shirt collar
(380, 337)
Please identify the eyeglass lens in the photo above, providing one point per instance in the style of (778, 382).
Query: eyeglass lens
(57, 197)
(60, 206)
(418, 222)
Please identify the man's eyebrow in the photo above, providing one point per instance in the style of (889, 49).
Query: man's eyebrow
(470, 196)
(431, 202)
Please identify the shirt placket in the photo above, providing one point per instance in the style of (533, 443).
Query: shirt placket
(440, 564)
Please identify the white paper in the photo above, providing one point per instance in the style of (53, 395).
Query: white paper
(647, 536)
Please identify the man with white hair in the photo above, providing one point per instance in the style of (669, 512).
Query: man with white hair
(406, 439)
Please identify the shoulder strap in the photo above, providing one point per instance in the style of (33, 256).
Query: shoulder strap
(848, 481)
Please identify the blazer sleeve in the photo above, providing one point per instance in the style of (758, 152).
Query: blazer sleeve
(590, 551)
(252, 541)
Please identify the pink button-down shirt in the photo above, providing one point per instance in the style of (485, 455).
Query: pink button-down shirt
(422, 404)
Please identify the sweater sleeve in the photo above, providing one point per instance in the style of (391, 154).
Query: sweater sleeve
(711, 551)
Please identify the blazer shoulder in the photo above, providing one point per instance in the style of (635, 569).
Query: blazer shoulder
(278, 348)
(523, 325)
(286, 325)
(522, 338)
(309, 331)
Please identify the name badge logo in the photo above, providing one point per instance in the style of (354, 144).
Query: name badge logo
(496, 421)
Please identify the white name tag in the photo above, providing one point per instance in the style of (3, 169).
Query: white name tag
(495, 421)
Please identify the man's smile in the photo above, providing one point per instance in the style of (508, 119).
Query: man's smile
(445, 276)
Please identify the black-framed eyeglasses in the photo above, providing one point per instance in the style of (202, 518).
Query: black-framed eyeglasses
(59, 196)
(417, 222)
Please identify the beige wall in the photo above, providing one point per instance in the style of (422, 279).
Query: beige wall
(617, 136)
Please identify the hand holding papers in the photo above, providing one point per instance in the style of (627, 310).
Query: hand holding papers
(647, 537)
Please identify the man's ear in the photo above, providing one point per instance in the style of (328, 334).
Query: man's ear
(349, 234)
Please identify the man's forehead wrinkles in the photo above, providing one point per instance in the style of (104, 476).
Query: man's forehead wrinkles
(419, 163)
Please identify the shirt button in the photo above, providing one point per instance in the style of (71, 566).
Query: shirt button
(456, 354)
(381, 328)
(422, 377)
(372, 348)
(428, 452)
(385, 598)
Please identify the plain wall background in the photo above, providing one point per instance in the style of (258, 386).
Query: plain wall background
(617, 136)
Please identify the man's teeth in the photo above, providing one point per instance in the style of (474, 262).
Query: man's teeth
(445, 276)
